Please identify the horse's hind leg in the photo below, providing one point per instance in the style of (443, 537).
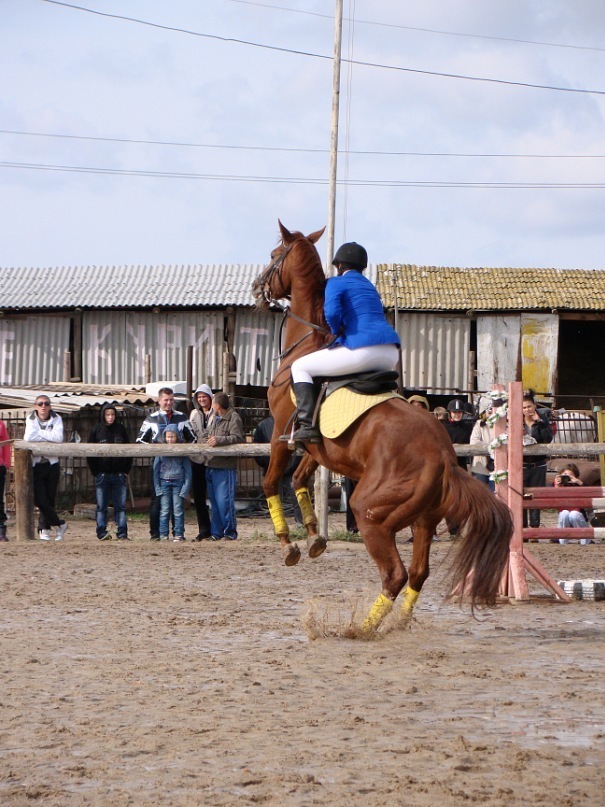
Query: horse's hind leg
(380, 543)
(424, 529)
(316, 544)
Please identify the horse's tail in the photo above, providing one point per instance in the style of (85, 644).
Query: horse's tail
(480, 558)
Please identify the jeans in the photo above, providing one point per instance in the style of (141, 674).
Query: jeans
(3, 516)
(485, 479)
(572, 518)
(172, 504)
(221, 484)
(111, 487)
(154, 511)
(46, 482)
(534, 476)
(198, 488)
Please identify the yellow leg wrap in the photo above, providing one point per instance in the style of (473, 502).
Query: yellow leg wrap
(276, 511)
(409, 601)
(306, 508)
(378, 611)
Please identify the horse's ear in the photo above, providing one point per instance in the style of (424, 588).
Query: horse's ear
(286, 235)
(314, 237)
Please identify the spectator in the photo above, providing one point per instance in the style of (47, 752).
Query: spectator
(172, 481)
(351, 521)
(5, 461)
(202, 408)
(440, 412)
(151, 431)
(536, 429)
(483, 434)
(419, 401)
(459, 428)
(43, 425)
(110, 473)
(574, 517)
(262, 434)
(225, 428)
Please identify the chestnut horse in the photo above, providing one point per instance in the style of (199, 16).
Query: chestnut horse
(401, 456)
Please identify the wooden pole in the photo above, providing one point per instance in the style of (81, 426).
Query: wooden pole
(189, 378)
(519, 589)
(67, 366)
(24, 495)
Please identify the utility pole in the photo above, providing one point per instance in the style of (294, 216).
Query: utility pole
(323, 483)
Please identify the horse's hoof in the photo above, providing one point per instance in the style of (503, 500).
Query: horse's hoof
(291, 554)
(316, 545)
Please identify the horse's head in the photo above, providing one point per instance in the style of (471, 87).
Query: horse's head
(275, 281)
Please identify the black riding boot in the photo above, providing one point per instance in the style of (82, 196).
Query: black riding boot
(306, 398)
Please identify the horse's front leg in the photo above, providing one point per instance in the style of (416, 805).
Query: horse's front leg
(316, 544)
(280, 456)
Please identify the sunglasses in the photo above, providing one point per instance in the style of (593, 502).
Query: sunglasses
(44, 403)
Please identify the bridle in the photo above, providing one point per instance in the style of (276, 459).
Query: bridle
(274, 268)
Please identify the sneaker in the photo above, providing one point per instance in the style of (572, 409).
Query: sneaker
(106, 537)
(163, 538)
(155, 538)
(178, 539)
(230, 537)
(44, 535)
(60, 531)
(214, 538)
(201, 537)
(123, 538)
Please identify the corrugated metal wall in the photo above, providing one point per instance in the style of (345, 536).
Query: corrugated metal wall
(435, 351)
(115, 343)
(256, 345)
(32, 348)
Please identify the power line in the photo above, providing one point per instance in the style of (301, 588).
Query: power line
(361, 152)
(427, 30)
(359, 63)
(382, 183)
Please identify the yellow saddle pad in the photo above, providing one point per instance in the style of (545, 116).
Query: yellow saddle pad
(343, 407)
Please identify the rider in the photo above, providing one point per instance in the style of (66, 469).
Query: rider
(364, 340)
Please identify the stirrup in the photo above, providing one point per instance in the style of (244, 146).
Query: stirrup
(307, 434)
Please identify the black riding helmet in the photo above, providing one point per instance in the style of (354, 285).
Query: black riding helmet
(354, 255)
(456, 406)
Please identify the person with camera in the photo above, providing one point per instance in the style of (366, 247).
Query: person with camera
(574, 517)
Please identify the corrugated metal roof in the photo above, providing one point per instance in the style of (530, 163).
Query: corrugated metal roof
(71, 397)
(443, 288)
(189, 286)
(126, 286)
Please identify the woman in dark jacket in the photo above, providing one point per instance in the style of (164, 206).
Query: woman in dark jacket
(538, 429)
(110, 473)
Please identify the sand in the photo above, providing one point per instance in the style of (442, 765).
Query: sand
(137, 673)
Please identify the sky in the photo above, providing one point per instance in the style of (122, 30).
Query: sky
(471, 132)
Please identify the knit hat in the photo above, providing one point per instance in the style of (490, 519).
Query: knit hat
(420, 399)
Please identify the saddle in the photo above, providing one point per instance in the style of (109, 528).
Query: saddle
(363, 383)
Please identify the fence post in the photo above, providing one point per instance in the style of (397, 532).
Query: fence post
(24, 495)
(519, 588)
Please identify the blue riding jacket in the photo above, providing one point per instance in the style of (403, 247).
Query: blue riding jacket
(353, 310)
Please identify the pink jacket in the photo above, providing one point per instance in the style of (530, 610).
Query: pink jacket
(5, 451)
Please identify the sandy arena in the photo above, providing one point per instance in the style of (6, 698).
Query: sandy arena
(137, 673)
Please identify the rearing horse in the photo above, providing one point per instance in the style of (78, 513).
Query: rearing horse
(402, 458)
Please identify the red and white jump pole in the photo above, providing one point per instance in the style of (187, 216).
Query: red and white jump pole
(514, 581)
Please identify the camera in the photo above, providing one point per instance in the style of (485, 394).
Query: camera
(566, 480)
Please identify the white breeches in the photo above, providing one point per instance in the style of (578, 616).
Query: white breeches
(342, 360)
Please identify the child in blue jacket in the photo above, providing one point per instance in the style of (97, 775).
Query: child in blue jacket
(172, 480)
